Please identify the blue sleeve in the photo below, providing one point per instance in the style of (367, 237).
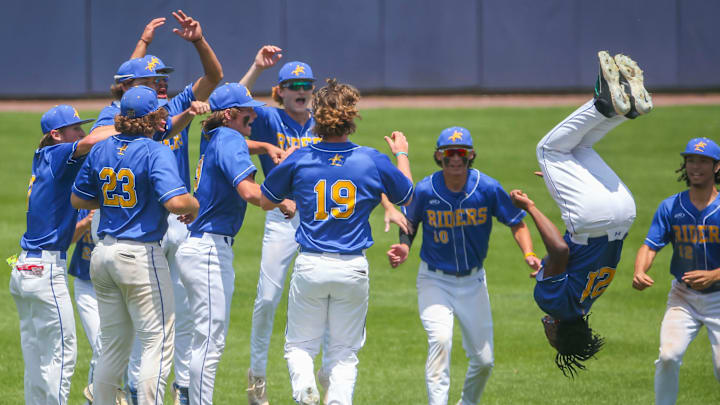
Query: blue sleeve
(413, 211)
(505, 211)
(85, 185)
(278, 184)
(660, 233)
(160, 135)
(181, 102)
(234, 159)
(60, 157)
(261, 130)
(106, 117)
(398, 188)
(164, 174)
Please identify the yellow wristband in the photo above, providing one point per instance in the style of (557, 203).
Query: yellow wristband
(530, 254)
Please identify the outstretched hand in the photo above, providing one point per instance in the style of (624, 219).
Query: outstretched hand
(268, 56)
(397, 142)
(190, 29)
(149, 32)
(393, 215)
(198, 108)
(521, 200)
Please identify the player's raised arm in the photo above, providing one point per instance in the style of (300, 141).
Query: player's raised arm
(399, 147)
(191, 31)
(557, 249)
(146, 37)
(266, 57)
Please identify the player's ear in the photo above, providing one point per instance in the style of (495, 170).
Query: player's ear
(55, 135)
(717, 166)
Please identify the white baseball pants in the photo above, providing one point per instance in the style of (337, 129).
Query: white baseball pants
(176, 234)
(687, 311)
(591, 197)
(87, 308)
(328, 295)
(135, 298)
(441, 298)
(279, 248)
(206, 268)
(47, 327)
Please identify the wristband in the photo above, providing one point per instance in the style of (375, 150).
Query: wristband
(402, 153)
(197, 40)
(528, 254)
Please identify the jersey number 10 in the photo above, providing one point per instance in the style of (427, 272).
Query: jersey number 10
(342, 193)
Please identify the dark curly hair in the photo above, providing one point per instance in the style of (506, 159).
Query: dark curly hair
(334, 108)
(684, 177)
(575, 343)
(145, 125)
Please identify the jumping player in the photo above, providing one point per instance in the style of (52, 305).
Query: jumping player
(596, 206)
(38, 281)
(336, 184)
(690, 221)
(135, 182)
(456, 206)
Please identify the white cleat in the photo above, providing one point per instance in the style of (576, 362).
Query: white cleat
(256, 392)
(634, 76)
(611, 76)
(309, 396)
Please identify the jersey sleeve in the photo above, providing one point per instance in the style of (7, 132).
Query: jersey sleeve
(413, 211)
(164, 174)
(85, 185)
(181, 101)
(261, 130)
(278, 184)
(398, 188)
(234, 160)
(60, 157)
(106, 117)
(505, 211)
(659, 234)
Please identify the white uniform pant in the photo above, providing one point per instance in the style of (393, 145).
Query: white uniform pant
(441, 298)
(328, 295)
(279, 247)
(47, 327)
(87, 308)
(687, 311)
(176, 234)
(206, 267)
(135, 298)
(592, 199)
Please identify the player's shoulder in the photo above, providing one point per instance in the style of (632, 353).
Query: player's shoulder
(671, 202)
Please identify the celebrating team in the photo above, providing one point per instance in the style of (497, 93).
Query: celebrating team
(155, 278)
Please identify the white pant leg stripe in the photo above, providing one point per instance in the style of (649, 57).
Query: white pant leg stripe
(62, 335)
(162, 313)
(207, 343)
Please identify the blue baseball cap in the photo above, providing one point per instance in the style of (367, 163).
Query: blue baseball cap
(703, 147)
(454, 136)
(232, 95)
(138, 102)
(160, 67)
(295, 70)
(60, 116)
(139, 67)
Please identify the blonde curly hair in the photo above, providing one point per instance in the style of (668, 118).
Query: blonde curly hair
(217, 119)
(334, 108)
(146, 125)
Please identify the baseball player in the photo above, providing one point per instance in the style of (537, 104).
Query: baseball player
(335, 184)
(690, 221)
(135, 182)
(38, 280)
(224, 184)
(456, 206)
(596, 206)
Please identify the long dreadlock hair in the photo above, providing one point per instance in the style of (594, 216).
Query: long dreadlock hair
(575, 344)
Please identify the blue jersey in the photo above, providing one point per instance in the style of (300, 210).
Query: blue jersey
(695, 235)
(274, 126)
(80, 262)
(107, 115)
(335, 187)
(224, 163)
(590, 270)
(178, 144)
(50, 216)
(456, 226)
(131, 176)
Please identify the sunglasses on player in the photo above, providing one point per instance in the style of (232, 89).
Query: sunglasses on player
(297, 86)
(461, 152)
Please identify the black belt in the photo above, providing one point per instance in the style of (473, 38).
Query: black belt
(38, 254)
(463, 273)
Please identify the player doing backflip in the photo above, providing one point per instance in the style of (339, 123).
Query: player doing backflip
(596, 206)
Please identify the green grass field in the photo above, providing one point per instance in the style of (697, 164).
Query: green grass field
(644, 152)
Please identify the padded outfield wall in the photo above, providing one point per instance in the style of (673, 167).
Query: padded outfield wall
(72, 48)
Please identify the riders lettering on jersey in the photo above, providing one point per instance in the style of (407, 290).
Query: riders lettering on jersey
(696, 233)
(459, 217)
(285, 142)
(173, 143)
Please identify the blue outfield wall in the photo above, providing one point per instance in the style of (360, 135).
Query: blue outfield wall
(73, 48)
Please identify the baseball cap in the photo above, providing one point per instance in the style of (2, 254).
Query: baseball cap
(138, 102)
(702, 147)
(139, 67)
(60, 116)
(161, 67)
(454, 136)
(295, 70)
(232, 95)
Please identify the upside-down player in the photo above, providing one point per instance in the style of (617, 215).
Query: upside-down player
(596, 206)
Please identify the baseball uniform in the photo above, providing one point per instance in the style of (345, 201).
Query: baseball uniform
(132, 176)
(335, 187)
(38, 281)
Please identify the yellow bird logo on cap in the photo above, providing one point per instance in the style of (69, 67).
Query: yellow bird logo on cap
(700, 146)
(154, 61)
(76, 115)
(298, 69)
(336, 160)
(247, 92)
(456, 136)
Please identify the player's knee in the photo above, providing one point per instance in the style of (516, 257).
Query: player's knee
(482, 364)
(668, 359)
(441, 340)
